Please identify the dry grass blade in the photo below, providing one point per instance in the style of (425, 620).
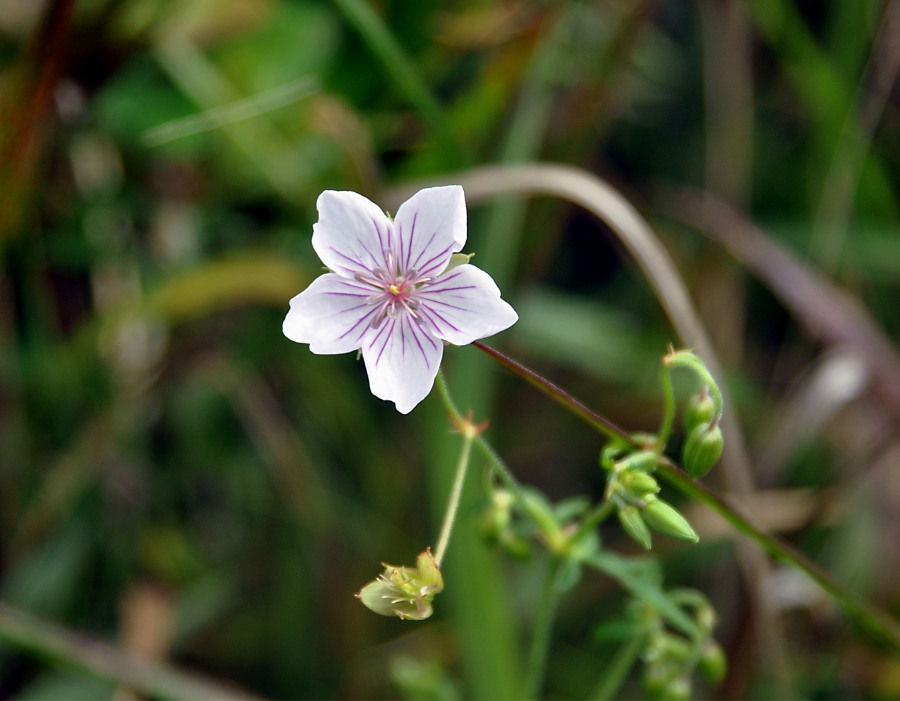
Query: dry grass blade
(822, 308)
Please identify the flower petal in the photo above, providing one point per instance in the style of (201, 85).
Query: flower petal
(428, 228)
(402, 360)
(331, 315)
(352, 233)
(464, 305)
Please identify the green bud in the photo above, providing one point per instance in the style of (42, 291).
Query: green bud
(700, 409)
(663, 517)
(639, 483)
(664, 679)
(405, 592)
(678, 689)
(514, 544)
(497, 516)
(633, 523)
(702, 449)
(541, 511)
(712, 664)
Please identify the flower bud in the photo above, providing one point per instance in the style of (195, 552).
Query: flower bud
(514, 544)
(678, 689)
(663, 517)
(405, 592)
(639, 483)
(699, 409)
(497, 516)
(664, 679)
(702, 449)
(633, 523)
(712, 664)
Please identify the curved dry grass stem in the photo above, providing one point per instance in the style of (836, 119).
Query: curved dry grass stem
(824, 309)
(592, 193)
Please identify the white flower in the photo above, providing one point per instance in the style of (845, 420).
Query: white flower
(390, 291)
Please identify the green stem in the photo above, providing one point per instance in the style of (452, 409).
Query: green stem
(455, 494)
(665, 429)
(496, 462)
(404, 74)
(594, 519)
(617, 670)
(543, 624)
(686, 359)
(877, 623)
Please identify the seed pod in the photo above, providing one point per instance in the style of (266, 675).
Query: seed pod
(699, 409)
(633, 523)
(663, 517)
(639, 483)
(702, 449)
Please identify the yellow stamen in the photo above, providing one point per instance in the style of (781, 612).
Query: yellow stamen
(394, 290)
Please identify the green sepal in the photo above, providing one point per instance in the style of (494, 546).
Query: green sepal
(405, 592)
(458, 259)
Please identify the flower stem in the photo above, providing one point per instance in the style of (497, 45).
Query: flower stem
(686, 359)
(597, 516)
(617, 670)
(665, 429)
(500, 467)
(455, 493)
(558, 394)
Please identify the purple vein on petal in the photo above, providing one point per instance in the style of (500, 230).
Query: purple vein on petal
(444, 291)
(381, 242)
(358, 263)
(443, 301)
(364, 319)
(412, 235)
(435, 260)
(388, 330)
(430, 314)
(412, 329)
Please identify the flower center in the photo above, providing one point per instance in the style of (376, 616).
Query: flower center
(394, 292)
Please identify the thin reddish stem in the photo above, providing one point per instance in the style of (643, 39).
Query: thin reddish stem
(557, 393)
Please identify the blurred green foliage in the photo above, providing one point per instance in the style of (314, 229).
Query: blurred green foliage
(161, 163)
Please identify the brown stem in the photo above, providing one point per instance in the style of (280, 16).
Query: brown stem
(28, 104)
(560, 395)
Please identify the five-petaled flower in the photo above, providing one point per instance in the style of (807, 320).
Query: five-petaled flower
(392, 291)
